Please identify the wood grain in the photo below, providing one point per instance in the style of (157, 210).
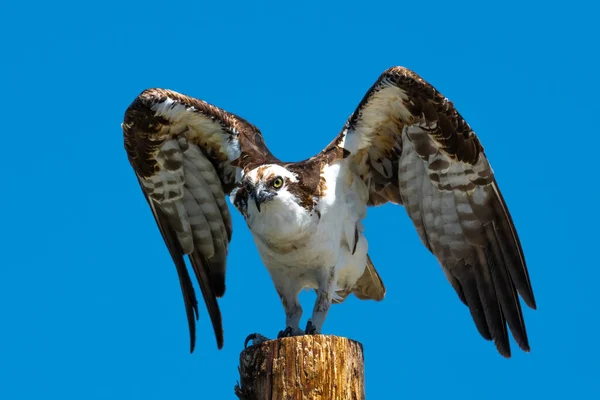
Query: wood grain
(318, 367)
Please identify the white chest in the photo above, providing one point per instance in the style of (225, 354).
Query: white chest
(287, 234)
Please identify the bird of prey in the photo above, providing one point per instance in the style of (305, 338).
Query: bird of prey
(404, 144)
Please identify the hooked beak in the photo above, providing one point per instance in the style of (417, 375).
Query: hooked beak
(260, 195)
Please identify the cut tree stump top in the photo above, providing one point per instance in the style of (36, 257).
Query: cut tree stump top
(316, 367)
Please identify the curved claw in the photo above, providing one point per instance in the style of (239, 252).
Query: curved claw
(310, 328)
(287, 332)
(255, 338)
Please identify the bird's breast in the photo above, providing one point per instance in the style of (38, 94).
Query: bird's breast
(307, 240)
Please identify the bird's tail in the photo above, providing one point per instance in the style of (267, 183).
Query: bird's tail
(368, 287)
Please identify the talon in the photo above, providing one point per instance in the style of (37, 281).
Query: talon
(310, 328)
(287, 332)
(255, 338)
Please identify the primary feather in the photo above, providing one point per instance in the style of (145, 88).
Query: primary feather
(412, 147)
(182, 150)
(405, 143)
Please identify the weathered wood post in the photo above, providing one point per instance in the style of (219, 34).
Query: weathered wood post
(319, 367)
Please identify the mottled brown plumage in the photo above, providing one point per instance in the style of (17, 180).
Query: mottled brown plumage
(158, 117)
(219, 138)
(412, 147)
(405, 141)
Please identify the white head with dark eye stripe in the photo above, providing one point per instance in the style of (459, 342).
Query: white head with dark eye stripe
(269, 184)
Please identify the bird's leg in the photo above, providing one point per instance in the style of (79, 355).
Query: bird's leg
(293, 313)
(323, 302)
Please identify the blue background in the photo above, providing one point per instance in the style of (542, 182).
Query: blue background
(90, 306)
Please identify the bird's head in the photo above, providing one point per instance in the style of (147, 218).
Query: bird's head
(270, 183)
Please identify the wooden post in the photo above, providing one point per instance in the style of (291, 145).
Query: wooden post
(318, 367)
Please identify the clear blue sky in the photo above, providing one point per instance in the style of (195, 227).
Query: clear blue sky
(90, 306)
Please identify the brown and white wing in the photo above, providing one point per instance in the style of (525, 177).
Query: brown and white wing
(412, 147)
(182, 150)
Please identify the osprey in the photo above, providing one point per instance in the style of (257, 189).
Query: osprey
(405, 143)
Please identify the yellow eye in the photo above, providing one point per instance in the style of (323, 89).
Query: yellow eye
(277, 182)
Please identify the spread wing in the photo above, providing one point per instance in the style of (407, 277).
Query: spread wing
(182, 150)
(411, 147)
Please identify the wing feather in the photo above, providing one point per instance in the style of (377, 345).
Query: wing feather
(411, 147)
(187, 288)
(187, 155)
(204, 170)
